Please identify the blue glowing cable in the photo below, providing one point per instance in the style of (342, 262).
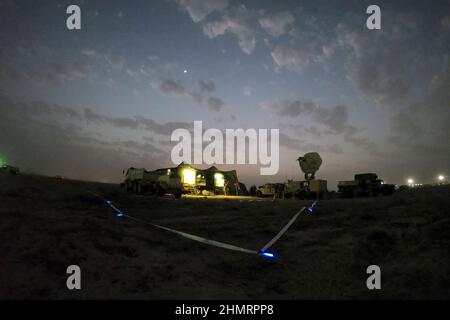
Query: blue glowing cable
(263, 253)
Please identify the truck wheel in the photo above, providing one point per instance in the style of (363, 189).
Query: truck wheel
(177, 194)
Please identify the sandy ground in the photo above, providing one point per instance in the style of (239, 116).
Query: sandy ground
(47, 225)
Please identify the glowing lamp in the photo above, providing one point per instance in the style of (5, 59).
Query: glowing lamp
(189, 176)
(220, 180)
(268, 255)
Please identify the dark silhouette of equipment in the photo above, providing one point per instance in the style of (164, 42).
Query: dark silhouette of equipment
(365, 184)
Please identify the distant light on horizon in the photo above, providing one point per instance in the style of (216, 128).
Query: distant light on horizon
(410, 181)
(441, 177)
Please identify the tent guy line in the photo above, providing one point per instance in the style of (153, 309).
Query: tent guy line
(262, 252)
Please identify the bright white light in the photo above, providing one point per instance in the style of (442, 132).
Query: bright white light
(189, 176)
(220, 181)
(410, 181)
(185, 71)
(441, 178)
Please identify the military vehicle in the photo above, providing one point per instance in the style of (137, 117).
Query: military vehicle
(365, 184)
(9, 169)
(182, 179)
(140, 181)
(270, 190)
(310, 187)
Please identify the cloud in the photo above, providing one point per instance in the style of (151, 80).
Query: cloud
(165, 129)
(58, 143)
(124, 123)
(304, 146)
(197, 97)
(171, 87)
(204, 93)
(207, 85)
(384, 74)
(300, 51)
(247, 91)
(237, 22)
(287, 108)
(200, 9)
(136, 122)
(334, 120)
(111, 61)
(40, 65)
(215, 104)
(277, 24)
(36, 109)
(422, 126)
(42, 110)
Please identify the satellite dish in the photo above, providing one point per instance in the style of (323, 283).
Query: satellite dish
(310, 164)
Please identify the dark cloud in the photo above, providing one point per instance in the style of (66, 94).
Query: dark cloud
(136, 123)
(204, 93)
(197, 97)
(215, 104)
(126, 123)
(35, 109)
(423, 125)
(207, 85)
(169, 86)
(138, 146)
(55, 147)
(334, 120)
(40, 65)
(162, 128)
(295, 108)
(305, 146)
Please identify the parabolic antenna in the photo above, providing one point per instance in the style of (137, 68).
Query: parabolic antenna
(309, 164)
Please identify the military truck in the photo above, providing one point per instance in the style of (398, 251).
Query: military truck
(140, 181)
(182, 179)
(307, 189)
(365, 184)
(310, 188)
(270, 190)
(9, 169)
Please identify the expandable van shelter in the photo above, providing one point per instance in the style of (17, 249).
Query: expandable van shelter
(207, 181)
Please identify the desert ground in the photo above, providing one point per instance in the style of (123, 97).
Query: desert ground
(48, 224)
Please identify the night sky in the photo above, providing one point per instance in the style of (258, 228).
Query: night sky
(86, 104)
